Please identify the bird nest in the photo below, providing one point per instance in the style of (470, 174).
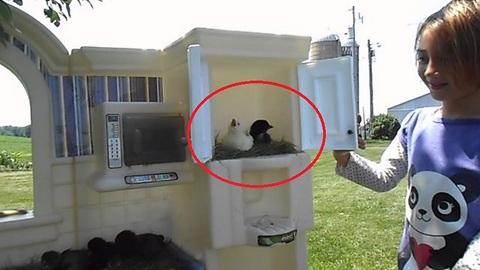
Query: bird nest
(276, 147)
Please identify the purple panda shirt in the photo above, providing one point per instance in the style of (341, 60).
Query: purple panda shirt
(440, 158)
(443, 191)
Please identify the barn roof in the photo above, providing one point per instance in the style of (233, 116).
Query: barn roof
(424, 96)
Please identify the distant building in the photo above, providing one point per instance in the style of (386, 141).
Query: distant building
(347, 49)
(325, 47)
(401, 110)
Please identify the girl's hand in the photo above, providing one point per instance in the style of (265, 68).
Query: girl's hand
(362, 144)
(343, 156)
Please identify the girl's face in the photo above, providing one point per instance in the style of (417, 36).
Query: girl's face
(442, 86)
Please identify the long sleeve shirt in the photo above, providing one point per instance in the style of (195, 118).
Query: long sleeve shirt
(441, 161)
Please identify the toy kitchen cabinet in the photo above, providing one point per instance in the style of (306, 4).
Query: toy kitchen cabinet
(264, 228)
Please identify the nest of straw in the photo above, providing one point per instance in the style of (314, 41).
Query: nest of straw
(276, 147)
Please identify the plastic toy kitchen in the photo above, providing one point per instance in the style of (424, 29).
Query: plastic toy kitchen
(111, 150)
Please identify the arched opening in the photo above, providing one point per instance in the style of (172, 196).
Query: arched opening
(28, 75)
(16, 159)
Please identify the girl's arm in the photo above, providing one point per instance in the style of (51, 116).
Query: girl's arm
(381, 176)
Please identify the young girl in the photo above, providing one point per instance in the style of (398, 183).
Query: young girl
(437, 149)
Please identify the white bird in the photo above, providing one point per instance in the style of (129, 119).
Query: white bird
(236, 139)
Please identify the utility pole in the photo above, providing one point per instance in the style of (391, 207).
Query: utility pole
(355, 59)
(371, 53)
(364, 124)
(355, 64)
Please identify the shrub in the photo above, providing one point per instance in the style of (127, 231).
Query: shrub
(384, 127)
(12, 162)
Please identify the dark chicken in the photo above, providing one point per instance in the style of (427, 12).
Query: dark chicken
(258, 130)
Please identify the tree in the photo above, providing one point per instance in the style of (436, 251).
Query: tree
(16, 131)
(54, 10)
(384, 127)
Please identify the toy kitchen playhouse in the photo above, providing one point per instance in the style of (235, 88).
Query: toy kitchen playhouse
(143, 145)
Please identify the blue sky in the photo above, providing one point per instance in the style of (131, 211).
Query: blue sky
(154, 24)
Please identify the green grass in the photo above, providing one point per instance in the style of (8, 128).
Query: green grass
(16, 188)
(355, 228)
(13, 144)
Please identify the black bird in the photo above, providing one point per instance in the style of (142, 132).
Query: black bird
(74, 259)
(51, 260)
(126, 242)
(150, 245)
(258, 130)
(101, 253)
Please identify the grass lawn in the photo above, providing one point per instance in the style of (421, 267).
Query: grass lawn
(13, 144)
(355, 228)
(16, 190)
(16, 187)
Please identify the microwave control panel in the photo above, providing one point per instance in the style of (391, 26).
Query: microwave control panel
(114, 148)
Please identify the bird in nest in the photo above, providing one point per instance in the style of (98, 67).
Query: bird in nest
(259, 131)
(236, 138)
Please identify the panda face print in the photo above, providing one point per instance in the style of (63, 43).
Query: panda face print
(435, 204)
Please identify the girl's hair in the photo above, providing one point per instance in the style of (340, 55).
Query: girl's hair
(455, 30)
